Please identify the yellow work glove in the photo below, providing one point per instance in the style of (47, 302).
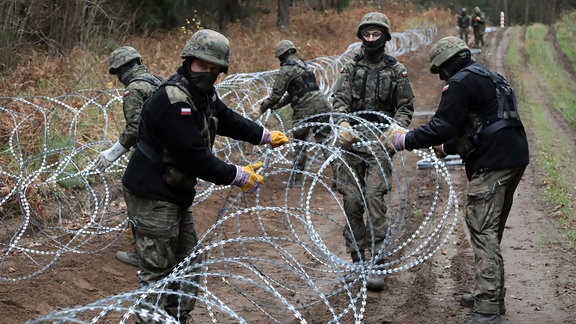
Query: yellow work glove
(247, 178)
(278, 139)
(346, 135)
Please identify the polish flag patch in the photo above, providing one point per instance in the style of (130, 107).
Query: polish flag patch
(445, 87)
(185, 111)
(404, 74)
(126, 93)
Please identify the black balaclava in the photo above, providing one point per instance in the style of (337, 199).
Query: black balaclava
(376, 47)
(203, 81)
(453, 65)
(124, 72)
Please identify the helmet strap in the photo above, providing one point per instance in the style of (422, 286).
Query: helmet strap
(286, 54)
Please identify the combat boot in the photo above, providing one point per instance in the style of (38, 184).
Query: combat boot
(467, 300)
(130, 258)
(479, 318)
(357, 257)
(375, 281)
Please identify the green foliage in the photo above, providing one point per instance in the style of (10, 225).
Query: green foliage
(549, 151)
(565, 33)
(545, 62)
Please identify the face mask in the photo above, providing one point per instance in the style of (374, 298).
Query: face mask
(203, 80)
(375, 47)
(444, 74)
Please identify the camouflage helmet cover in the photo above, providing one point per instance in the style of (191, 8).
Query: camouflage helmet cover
(375, 19)
(463, 10)
(445, 49)
(477, 10)
(209, 46)
(282, 46)
(121, 56)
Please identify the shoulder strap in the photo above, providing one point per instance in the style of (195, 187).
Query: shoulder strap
(154, 80)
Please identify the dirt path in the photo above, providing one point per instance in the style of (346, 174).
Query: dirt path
(540, 278)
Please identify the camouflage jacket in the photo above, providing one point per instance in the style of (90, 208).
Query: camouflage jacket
(296, 85)
(382, 87)
(141, 84)
(478, 22)
(464, 21)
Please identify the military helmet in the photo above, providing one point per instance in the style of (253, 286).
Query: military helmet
(121, 56)
(477, 10)
(375, 19)
(209, 46)
(282, 47)
(445, 49)
(463, 10)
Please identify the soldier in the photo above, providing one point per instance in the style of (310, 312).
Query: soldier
(126, 63)
(372, 81)
(178, 126)
(477, 118)
(296, 85)
(479, 27)
(463, 25)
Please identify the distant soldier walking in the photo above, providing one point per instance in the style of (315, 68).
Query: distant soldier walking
(463, 25)
(479, 27)
(296, 85)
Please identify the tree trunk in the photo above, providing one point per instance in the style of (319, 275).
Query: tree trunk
(526, 12)
(283, 14)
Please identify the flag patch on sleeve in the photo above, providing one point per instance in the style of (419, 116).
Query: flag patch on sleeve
(404, 74)
(126, 93)
(445, 87)
(185, 111)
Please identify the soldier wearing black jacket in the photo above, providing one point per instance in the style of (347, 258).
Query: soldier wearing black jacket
(176, 133)
(478, 119)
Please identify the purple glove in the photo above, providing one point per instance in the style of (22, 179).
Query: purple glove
(398, 139)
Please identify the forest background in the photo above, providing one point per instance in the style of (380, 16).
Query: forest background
(61, 26)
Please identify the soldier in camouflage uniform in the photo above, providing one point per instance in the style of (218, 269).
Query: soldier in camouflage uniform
(463, 25)
(479, 27)
(296, 85)
(126, 63)
(477, 118)
(177, 130)
(373, 81)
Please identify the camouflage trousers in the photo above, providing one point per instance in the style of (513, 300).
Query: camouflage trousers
(478, 37)
(164, 234)
(321, 133)
(464, 32)
(364, 194)
(489, 200)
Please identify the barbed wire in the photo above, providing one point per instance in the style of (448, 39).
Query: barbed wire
(269, 253)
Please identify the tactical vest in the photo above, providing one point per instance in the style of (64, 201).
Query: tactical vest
(482, 125)
(154, 80)
(156, 152)
(463, 21)
(380, 96)
(307, 82)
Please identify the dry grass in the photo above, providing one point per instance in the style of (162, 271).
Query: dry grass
(315, 34)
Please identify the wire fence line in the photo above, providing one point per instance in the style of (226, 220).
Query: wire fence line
(270, 253)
